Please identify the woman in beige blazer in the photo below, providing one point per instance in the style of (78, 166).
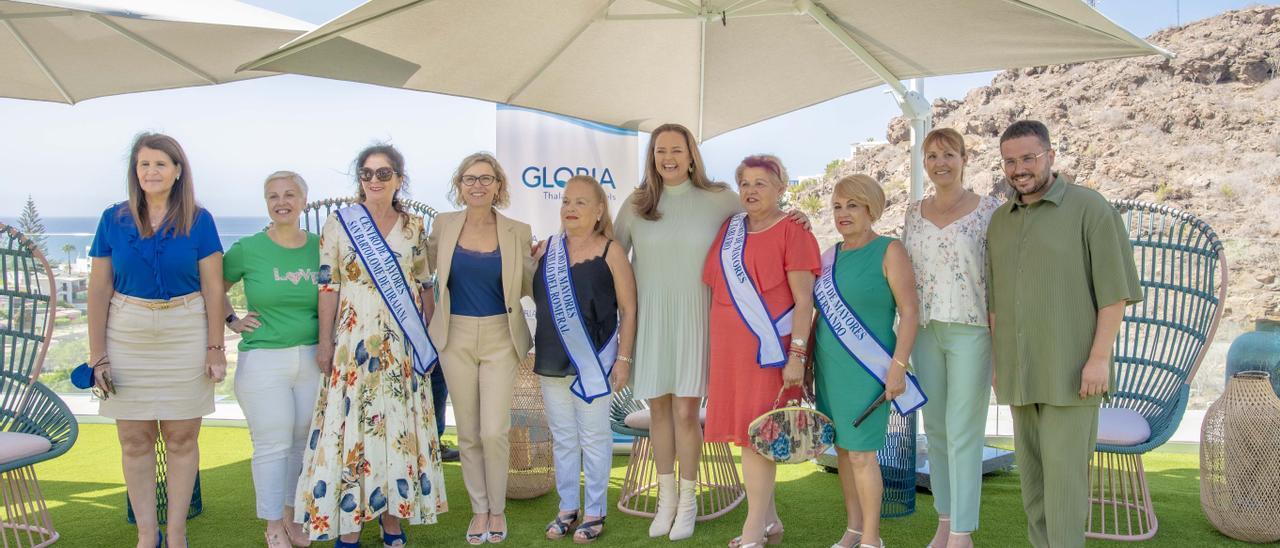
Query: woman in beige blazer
(483, 268)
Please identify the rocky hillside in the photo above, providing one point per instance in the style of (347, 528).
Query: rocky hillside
(1200, 132)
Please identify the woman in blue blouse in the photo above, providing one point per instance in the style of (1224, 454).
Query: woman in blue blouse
(155, 327)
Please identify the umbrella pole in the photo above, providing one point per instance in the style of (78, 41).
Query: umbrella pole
(916, 109)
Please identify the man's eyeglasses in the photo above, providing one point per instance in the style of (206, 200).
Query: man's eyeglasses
(484, 180)
(1027, 160)
(383, 174)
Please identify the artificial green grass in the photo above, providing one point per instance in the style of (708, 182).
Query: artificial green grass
(86, 495)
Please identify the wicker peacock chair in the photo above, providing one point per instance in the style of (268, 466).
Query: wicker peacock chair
(35, 425)
(1183, 272)
(314, 214)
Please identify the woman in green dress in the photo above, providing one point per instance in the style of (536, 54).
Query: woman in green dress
(873, 277)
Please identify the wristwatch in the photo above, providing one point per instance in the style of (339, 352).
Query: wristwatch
(231, 318)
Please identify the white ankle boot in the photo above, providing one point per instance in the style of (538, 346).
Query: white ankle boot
(687, 511)
(666, 512)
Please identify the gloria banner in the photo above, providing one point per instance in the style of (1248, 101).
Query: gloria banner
(541, 151)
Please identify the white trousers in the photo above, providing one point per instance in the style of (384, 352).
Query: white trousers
(583, 445)
(277, 391)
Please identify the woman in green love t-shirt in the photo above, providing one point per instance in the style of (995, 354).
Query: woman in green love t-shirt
(277, 378)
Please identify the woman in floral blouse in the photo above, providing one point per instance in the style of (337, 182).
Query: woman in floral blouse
(373, 451)
(945, 235)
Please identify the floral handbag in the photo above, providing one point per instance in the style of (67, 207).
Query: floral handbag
(791, 433)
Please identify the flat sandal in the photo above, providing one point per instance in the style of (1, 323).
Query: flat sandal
(561, 526)
(589, 535)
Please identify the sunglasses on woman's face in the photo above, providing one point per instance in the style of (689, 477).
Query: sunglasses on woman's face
(383, 174)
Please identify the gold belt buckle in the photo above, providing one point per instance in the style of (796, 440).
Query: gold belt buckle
(152, 305)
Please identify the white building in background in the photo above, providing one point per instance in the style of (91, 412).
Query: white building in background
(73, 289)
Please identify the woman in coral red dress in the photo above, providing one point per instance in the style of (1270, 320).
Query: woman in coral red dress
(761, 272)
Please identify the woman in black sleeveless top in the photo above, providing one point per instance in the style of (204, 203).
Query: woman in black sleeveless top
(606, 293)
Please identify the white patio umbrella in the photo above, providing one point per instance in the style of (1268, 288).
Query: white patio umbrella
(71, 50)
(712, 65)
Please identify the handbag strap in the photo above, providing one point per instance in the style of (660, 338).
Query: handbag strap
(798, 397)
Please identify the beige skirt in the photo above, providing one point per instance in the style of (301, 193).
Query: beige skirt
(157, 360)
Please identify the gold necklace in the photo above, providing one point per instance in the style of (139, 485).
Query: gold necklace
(964, 195)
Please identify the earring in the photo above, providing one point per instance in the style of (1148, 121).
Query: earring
(691, 169)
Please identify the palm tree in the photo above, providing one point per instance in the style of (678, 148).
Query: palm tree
(68, 249)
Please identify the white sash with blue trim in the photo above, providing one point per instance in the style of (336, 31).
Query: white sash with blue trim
(860, 343)
(747, 301)
(593, 366)
(381, 264)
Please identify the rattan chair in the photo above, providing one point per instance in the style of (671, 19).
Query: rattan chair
(35, 425)
(1161, 343)
(719, 489)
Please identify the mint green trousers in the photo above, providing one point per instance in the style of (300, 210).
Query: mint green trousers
(953, 365)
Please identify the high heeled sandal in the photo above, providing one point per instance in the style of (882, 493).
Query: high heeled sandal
(588, 531)
(772, 535)
(390, 541)
(559, 528)
(339, 543)
(857, 541)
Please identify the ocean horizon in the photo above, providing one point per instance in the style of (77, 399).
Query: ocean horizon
(78, 231)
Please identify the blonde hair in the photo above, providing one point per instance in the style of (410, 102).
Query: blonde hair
(864, 191)
(645, 199)
(288, 176)
(503, 197)
(604, 225)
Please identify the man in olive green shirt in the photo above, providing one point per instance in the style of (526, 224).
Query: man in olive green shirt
(1060, 272)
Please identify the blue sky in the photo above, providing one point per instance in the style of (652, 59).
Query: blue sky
(71, 159)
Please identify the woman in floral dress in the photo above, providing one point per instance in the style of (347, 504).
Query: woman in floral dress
(373, 451)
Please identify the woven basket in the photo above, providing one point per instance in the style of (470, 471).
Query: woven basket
(1240, 460)
(532, 468)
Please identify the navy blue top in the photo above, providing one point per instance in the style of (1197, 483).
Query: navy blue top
(597, 301)
(475, 283)
(163, 266)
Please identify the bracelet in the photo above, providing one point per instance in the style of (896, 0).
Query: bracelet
(218, 347)
(101, 361)
(799, 354)
(624, 359)
(899, 363)
(799, 343)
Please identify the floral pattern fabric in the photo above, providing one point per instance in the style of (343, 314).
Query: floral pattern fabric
(373, 445)
(791, 434)
(950, 264)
